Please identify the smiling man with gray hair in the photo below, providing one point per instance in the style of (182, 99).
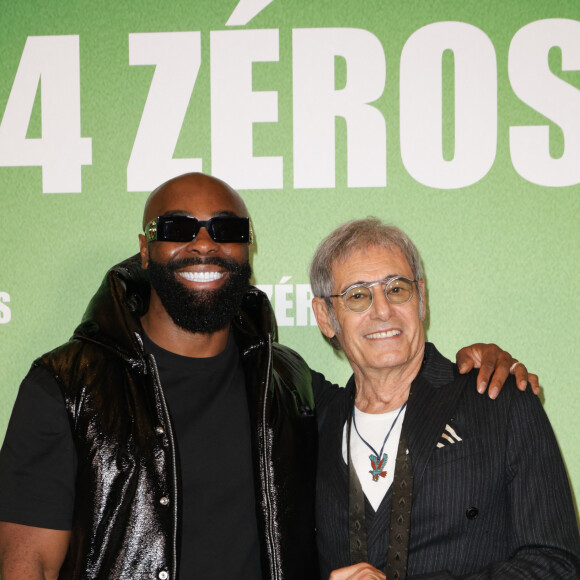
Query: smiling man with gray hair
(419, 476)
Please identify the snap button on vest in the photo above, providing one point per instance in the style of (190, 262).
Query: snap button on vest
(164, 501)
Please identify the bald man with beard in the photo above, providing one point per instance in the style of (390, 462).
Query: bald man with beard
(172, 436)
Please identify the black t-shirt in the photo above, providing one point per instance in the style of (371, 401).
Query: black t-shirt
(208, 405)
(38, 461)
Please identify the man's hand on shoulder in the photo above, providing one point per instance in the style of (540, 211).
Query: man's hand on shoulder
(495, 365)
(362, 571)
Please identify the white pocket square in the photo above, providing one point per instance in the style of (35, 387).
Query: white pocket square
(448, 437)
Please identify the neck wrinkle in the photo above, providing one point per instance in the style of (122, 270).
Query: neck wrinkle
(386, 390)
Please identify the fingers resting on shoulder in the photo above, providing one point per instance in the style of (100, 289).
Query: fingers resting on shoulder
(495, 365)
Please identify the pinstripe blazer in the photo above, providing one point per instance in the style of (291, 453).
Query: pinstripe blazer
(491, 497)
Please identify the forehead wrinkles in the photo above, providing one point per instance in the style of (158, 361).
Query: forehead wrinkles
(370, 264)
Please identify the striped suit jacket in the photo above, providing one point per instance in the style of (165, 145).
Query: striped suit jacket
(491, 497)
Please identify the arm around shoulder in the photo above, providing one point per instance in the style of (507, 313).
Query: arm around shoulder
(30, 552)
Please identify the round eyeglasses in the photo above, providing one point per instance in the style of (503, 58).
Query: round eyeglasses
(359, 297)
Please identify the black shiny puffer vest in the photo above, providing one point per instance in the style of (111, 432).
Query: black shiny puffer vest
(128, 492)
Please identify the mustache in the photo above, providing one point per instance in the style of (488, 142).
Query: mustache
(228, 264)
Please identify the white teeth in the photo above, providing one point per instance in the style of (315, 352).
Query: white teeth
(387, 334)
(201, 276)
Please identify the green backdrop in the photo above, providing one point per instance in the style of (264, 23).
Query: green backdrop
(459, 121)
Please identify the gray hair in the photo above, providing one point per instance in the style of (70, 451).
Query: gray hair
(348, 238)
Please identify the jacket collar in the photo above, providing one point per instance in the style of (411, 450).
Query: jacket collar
(112, 318)
(436, 390)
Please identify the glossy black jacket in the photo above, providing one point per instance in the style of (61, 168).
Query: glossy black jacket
(128, 492)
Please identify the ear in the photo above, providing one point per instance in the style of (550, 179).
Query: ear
(421, 284)
(320, 309)
(144, 251)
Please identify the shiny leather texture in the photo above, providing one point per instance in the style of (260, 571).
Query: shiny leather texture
(128, 492)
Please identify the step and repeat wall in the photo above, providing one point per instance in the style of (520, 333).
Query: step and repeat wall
(457, 121)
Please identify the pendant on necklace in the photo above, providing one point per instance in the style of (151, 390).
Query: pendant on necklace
(378, 466)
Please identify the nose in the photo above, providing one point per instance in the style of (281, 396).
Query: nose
(381, 308)
(202, 243)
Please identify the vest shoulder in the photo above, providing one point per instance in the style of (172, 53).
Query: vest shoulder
(293, 371)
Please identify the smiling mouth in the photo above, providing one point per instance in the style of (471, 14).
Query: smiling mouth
(202, 276)
(385, 334)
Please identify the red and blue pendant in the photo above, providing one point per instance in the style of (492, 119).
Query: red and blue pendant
(378, 467)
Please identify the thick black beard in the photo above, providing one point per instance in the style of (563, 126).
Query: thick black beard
(200, 311)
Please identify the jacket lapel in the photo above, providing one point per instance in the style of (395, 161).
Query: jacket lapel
(429, 410)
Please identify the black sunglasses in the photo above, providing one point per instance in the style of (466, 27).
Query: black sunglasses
(184, 228)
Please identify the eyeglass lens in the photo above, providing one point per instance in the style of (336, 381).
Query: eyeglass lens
(397, 291)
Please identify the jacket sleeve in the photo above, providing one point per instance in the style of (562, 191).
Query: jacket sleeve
(543, 534)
